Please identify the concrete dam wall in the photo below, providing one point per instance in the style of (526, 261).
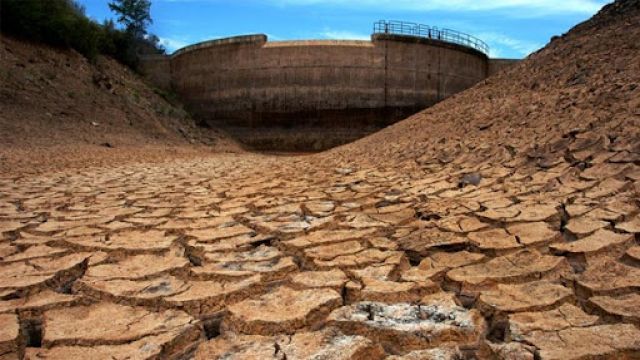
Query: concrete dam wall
(313, 95)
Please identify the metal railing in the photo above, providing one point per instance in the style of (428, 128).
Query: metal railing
(429, 32)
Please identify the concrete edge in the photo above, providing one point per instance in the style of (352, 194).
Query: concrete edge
(261, 39)
(234, 40)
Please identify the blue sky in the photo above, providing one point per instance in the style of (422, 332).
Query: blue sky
(512, 28)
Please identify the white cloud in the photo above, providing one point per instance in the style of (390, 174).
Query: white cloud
(497, 53)
(519, 7)
(173, 44)
(271, 37)
(343, 35)
(499, 42)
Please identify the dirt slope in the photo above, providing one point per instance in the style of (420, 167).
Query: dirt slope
(56, 99)
(585, 81)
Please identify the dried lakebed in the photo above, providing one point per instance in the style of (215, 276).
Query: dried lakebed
(259, 257)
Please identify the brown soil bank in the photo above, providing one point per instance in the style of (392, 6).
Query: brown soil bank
(586, 82)
(54, 102)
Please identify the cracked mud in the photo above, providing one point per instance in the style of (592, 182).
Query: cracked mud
(434, 239)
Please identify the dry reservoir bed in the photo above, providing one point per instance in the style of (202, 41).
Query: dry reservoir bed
(260, 257)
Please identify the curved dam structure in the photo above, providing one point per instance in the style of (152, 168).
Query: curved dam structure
(316, 94)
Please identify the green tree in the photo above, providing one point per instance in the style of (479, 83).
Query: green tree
(60, 23)
(133, 14)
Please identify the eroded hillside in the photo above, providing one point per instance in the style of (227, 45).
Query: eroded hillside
(501, 224)
(584, 82)
(56, 100)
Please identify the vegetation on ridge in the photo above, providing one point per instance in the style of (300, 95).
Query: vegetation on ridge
(63, 23)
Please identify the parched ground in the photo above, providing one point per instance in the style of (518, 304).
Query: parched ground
(503, 223)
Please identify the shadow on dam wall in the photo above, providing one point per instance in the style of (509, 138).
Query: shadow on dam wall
(315, 94)
(307, 131)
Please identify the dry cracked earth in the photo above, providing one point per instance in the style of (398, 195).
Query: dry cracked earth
(518, 240)
(255, 257)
